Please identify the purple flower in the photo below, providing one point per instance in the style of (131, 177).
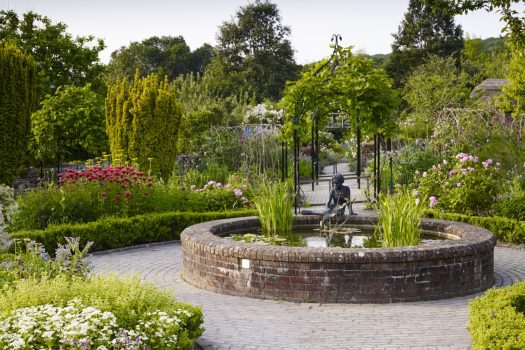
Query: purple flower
(451, 172)
(459, 184)
(228, 186)
(433, 201)
(211, 183)
(244, 199)
(464, 171)
(416, 193)
(219, 185)
(237, 192)
(193, 187)
(418, 172)
(471, 169)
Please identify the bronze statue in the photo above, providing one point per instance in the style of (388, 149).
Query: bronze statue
(339, 197)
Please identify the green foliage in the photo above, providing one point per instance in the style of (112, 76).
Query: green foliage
(431, 87)
(497, 319)
(254, 50)
(424, 31)
(17, 88)
(71, 122)
(86, 197)
(109, 233)
(512, 204)
(399, 219)
(411, 158)
(61, 58)
(143, 120)
(165, 55)
(513, 98)
(462, 185)
(358, 87)
(30, 260)
(483, 59)
(506, 230)
(129, 299)
(205, 107)
(274, 207)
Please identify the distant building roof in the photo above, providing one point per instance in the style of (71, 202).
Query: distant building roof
(490, 88)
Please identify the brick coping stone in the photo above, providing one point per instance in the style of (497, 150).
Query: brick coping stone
(460, 265)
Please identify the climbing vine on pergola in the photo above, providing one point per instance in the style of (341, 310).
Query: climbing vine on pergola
(351, 84)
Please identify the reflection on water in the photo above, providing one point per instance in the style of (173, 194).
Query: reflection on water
(344, 237)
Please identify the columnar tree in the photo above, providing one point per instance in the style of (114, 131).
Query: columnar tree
(428, 28)
(143, 118)
(17, 89)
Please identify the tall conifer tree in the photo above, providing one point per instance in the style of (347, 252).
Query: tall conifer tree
(17, 90)
(143, 118)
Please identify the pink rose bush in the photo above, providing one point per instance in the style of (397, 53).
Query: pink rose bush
(462, 184)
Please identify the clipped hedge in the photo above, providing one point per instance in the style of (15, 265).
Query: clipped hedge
(110, 233)
(506, 230)
(497, 319)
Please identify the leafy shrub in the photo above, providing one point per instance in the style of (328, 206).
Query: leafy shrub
(130, 301)
(399, 219)
(506, 230)
(8, 202)
(497, 319)
(412, 158)
(30, 260)
(120, 191)
(512, 204)
(462, 185)
(112, 233)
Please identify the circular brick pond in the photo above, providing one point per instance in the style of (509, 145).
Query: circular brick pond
(460, 265)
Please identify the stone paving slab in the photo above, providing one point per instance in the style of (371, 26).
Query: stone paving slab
(244, 323)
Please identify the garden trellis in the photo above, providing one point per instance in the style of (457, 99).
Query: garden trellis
(352, 85)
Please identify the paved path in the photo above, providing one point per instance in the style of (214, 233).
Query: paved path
(244, 323)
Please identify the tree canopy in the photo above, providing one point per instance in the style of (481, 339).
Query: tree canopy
(70, 123)
(166, 55)
(61, 58)
(255, 48)
(426, 29)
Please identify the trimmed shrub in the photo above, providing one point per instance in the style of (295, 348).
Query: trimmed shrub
(112, 233)
(497, 319)
(129, 299)
(17, 89)
(143, 118)
(506, 230)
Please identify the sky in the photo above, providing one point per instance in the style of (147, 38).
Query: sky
(367, 25)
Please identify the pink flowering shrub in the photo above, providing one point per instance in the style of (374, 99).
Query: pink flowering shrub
(215, 196)
(462, 185)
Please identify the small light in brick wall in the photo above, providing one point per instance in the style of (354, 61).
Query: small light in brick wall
(245, 263)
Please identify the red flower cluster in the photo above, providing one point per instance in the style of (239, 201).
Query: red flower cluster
(122, 175)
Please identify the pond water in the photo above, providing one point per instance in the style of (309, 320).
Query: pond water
(344, 237)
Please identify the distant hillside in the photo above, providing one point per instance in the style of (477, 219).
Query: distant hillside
(481, 46)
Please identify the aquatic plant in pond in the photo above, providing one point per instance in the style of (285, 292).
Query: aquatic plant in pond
(274, 207)
(399, 219)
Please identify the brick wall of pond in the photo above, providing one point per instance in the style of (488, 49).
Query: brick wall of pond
(338, 275)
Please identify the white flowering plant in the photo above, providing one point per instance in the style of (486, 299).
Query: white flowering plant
(77, 326)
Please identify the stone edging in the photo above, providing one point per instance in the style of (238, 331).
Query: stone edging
(451, 268)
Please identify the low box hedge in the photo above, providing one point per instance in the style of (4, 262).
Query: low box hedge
(110, 233)
(506, 230)
(497, 319)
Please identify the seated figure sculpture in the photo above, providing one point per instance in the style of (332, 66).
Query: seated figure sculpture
(339, 197)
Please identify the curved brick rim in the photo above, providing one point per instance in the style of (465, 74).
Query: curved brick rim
(461, 266)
